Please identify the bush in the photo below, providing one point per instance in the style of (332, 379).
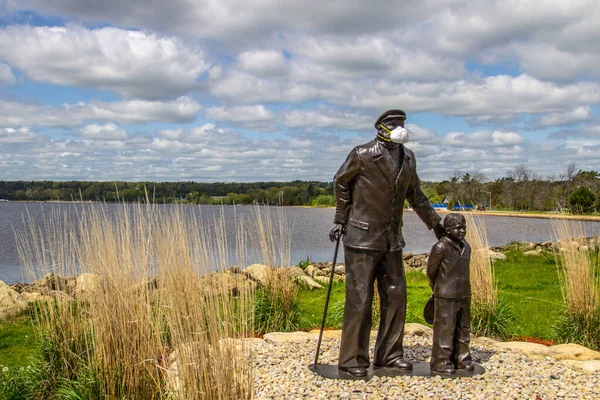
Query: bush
(304, 263)
(277, 307)
(580, 328)
(119, 342)
(582, 201)
(579, 274)
(491, 321)
(323, 201)
(598, 203)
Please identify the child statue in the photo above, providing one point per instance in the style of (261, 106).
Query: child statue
(448, 275)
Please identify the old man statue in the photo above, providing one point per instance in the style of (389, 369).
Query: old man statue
(370, 189)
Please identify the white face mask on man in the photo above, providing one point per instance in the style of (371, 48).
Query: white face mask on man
(397, 135)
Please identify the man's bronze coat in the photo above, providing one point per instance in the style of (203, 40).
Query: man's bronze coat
(370, 199)
(369, 202)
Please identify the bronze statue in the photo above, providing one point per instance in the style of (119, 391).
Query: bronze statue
(448, 275)
(370, 189)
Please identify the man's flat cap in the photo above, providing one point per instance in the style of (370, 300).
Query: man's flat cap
(390, 114)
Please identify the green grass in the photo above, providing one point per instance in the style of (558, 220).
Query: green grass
(17, 342)
(312, 302)
(530, 287)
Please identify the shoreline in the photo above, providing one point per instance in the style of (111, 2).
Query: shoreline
(515, 214)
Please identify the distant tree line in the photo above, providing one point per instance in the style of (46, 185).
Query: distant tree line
(521, 189)
(273, 193)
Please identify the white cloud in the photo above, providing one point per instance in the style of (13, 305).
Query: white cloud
(579, 114)
(483, 139)
(108, 131)
(182, 109)
(6, 74)
(500, 95)
(420, 134)
(327, 117)
(262, 62)
(12, 136)
(256, 116)
(589, 131)
(132, 63)
(369, 56)
(245, 22)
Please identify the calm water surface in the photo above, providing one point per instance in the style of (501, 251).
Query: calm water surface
(309, 229)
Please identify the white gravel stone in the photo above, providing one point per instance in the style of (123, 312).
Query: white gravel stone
(282, 373)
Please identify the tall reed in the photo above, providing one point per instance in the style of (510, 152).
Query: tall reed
(579, 276)
(155, 301)
(276, 303)
(489, 316)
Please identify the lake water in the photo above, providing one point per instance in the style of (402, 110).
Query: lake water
(309, 230)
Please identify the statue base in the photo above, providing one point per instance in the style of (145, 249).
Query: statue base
(419, 369)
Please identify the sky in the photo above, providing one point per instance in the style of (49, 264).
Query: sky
(281, 90)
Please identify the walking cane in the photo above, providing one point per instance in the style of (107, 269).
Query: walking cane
(335, 253)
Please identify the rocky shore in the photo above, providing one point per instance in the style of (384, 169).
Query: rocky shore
(14, 298)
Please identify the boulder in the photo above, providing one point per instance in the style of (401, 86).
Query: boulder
(531, 350)
(11, 302)
(328, 334)
(234, 269)
(413, 329)
(231, 283)
(325, 279)
(302, 278)
(340, 269)
(258, 273)
(586, 366)
(32, 297)
(573, 351)
(483, 341)
(88, 285)
(296, 271)
(283, 337)
(528, 245)
(533, 253)
(548, 245)
(53, 281)
(307, 282)
(313, 271)
(493, 255)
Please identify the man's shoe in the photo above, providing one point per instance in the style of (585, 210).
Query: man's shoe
(358, 372)
(401, 363)
(468, 367)
(447, 371)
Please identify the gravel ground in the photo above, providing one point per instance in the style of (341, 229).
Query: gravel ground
(282, 373)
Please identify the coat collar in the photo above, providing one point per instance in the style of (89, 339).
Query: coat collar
(382, 163)
(460, 247)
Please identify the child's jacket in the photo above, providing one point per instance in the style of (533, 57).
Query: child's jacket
(448, 269)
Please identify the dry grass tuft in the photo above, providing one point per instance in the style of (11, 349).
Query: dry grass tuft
(579, 276)
(579, 284)
(483, 283)
(276, 303)
(489, 317)
(150, 308)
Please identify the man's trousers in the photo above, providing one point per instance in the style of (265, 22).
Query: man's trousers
(362, 268)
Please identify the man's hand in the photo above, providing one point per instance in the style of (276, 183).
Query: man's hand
(336, 232)
(439, 231)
